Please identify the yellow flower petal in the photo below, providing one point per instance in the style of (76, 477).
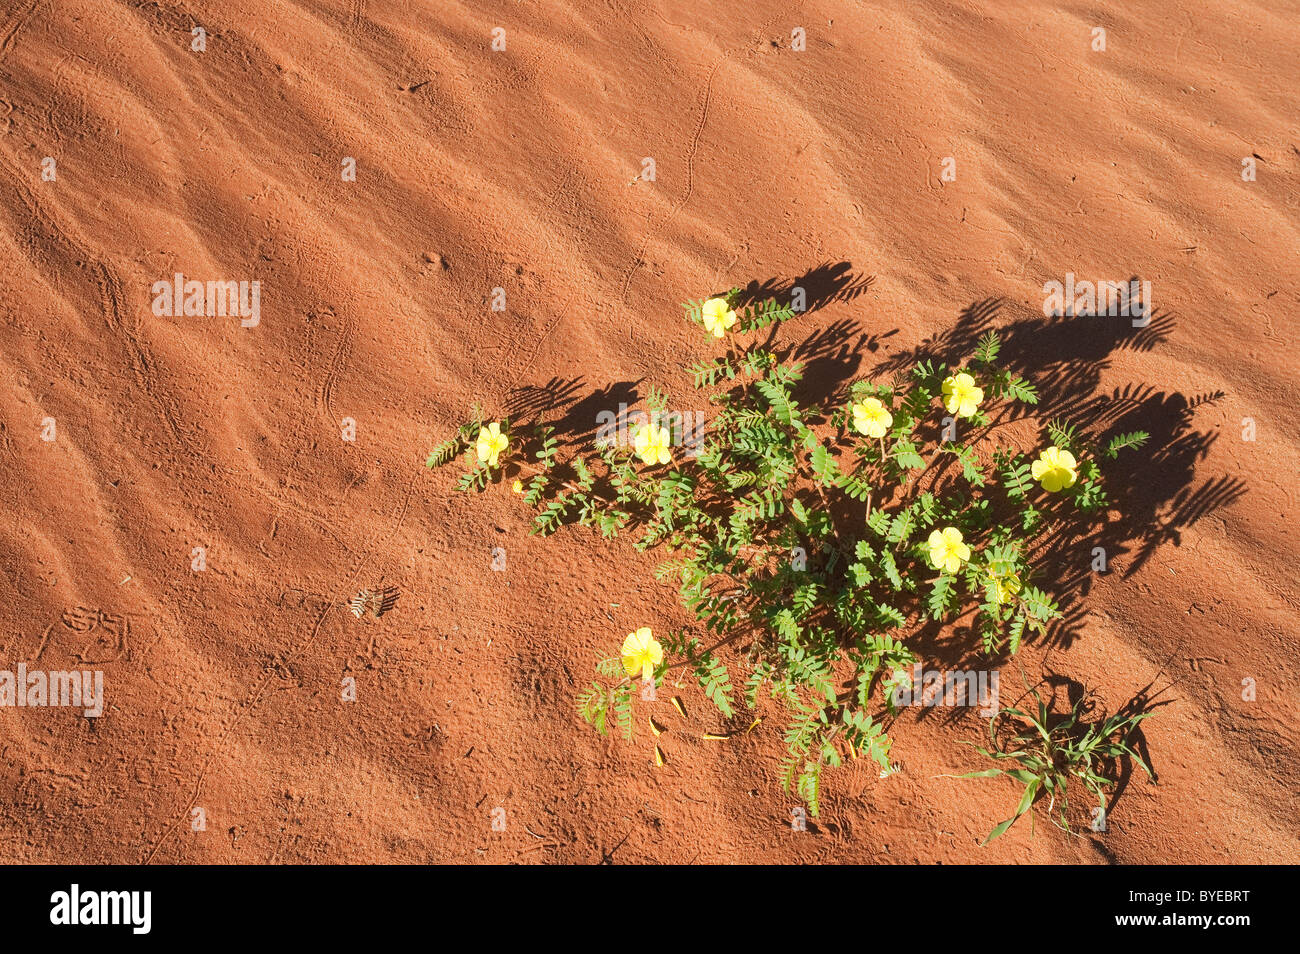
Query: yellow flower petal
(947, 552)
(718, 316)
(641, 653)
(961, 396)
(871, 418)
(491, 442)
(651, 444)
(1056, 469)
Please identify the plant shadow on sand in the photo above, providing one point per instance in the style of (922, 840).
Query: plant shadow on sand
(1154, 492)
(818, 287)
(832, 356)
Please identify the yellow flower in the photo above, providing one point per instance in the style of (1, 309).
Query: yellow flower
(641, 653)
(961, 396)
(1055, 468)
(517, 486)
(1005, 587)
(947, 552)
(871, 418)
(491, 442)
(718, 316)
(651, 444)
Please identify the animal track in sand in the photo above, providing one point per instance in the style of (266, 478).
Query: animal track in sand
(52, 242)
(325, 393)
(689, 159)
(17, 20)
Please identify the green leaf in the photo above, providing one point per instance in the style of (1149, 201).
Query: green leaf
(905, 455)
(890, 566)
(824, 466)
(798, 511)
(716, 683)
(1121, 441)
(778, 398)
(941, 594)
(1016, 479)
(989, 346)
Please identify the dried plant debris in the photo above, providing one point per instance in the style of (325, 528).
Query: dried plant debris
(374, 602)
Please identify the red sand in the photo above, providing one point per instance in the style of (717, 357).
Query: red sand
(479, 169)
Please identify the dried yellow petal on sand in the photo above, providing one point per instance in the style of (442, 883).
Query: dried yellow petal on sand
(677, 704)
(660, 760)
(655, 727)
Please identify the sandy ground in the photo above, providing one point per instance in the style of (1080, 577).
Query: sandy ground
(479, 169)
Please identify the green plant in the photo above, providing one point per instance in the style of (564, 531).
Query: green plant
(808, 541)
(1050, 751)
